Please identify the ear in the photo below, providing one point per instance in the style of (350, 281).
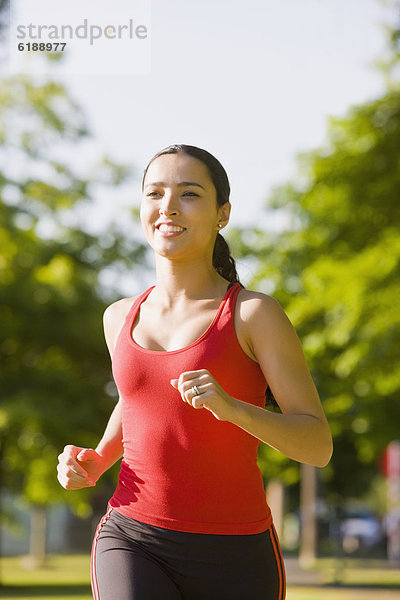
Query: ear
(223, 215)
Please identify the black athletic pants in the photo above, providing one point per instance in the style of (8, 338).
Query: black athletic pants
(135, 561)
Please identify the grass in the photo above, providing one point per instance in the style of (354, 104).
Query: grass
(318, 593)
(62, 578)
(67, 578)
(357, 572)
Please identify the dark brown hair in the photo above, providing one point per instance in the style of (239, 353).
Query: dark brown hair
(223, 262)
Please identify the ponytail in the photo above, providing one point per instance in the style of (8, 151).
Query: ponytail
(223, 262)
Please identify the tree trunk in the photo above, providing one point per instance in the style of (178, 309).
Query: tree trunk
(37, 538)
(308, 516)
(275, 499)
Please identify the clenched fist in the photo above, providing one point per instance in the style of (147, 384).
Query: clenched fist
(79, 467)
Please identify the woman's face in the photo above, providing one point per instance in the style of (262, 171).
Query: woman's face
(179, 211)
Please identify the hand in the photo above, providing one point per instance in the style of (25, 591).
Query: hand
(79, 467)
(211, 395)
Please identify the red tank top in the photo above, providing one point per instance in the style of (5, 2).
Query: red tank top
(183, 469)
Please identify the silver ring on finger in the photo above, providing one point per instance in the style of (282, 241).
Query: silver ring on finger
(195, 391)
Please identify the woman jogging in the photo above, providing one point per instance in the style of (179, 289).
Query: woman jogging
(192, 358)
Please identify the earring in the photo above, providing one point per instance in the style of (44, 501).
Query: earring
(219, 225)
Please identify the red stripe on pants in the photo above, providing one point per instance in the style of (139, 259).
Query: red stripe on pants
(93, 579)
(279, 563)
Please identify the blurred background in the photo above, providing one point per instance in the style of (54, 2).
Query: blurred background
(301, 104)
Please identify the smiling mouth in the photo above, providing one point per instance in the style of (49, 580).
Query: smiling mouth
(170, 228)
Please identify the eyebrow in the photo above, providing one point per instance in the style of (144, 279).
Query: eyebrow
(180, 184)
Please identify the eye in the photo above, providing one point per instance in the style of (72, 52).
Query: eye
(152, 194)
(189, 194)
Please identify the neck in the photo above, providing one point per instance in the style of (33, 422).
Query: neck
(187, 280)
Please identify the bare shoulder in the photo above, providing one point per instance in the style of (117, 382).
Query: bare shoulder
(118, 309)
(256, 306)
(265, 326)
(259, 317)
(113, 319)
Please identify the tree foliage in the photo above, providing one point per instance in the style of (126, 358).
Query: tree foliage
(55, 371)
(335, 270)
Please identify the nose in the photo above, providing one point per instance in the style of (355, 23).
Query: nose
(168, 206)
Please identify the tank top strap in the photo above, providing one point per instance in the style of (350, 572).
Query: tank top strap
(228, 309)
(130, 317)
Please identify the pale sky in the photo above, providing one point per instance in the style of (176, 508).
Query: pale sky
(252, 82)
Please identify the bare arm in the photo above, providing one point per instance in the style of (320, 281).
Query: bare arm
(81, 467)
(301, 431)
(303, 437)
(110, 447)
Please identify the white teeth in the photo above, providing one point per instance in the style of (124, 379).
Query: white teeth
(170, 228)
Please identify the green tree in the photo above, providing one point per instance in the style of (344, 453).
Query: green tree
(335, 270)
(55, 379)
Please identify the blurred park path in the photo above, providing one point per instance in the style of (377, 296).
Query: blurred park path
(347, 580)
(298, 577)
